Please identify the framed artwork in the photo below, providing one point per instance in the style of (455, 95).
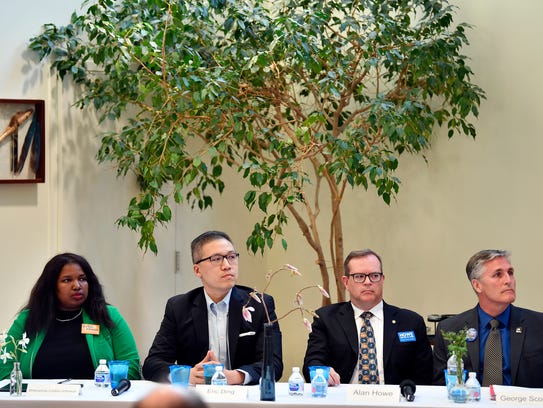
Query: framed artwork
(22, 141)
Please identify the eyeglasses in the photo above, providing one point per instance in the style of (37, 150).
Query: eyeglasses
(217, 259)
(361, 277)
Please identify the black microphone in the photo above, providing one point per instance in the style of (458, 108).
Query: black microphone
(121, 387)
(407, 388)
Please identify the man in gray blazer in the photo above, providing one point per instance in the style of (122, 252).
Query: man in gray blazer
(521, 330)
(402, 348)
(206, 323)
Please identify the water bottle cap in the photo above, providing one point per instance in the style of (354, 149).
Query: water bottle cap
(218, 368)
(472, 374)
(319, 371)
(102, 361)
(295, 369)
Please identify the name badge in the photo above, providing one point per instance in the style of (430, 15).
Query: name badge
(90, 329)
(371, 393)
(222, 392)
(407, 336)
(53, 390)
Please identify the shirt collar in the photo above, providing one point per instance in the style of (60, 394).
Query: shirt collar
(485, 318)
(376, 310)
(225, 300)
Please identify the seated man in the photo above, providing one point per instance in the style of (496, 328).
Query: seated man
(515, 331)
(206, 324)
(366, 340)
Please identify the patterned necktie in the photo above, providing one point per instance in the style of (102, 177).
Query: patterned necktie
(493, 356)
(367, 356)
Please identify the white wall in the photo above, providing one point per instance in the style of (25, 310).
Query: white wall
(470, 195)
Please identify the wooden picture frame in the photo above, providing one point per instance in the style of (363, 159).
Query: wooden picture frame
(22, 141)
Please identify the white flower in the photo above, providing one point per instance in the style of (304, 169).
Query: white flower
(24, 341)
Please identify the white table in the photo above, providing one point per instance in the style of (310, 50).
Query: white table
(91, 396)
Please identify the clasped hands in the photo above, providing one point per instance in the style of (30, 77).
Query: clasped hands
(197, 372)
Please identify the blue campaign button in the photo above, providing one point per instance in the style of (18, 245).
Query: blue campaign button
(407, 336)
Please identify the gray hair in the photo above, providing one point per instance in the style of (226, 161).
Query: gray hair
(475, 265)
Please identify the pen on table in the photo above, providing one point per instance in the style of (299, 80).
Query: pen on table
(64, 381)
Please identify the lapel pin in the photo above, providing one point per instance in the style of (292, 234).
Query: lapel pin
(471, 334)
(518, 330)
(393, 321)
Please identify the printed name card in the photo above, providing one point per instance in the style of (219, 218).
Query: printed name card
(223, 392)
(53, 390)
(518, 396)
(373, 393)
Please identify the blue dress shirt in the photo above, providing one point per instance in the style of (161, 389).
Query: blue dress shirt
(484, 330)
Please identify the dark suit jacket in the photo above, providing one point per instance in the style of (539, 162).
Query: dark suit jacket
(183, 337)
(334, 342)
(526, 330)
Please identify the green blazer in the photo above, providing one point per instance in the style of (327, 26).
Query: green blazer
(115, 343)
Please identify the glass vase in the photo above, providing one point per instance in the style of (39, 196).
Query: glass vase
(267, 377)
(16, 380)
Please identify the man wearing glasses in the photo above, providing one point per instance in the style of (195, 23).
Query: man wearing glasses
(366, 340)
(205, 325)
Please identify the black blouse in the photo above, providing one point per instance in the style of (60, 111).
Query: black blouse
(64, 352)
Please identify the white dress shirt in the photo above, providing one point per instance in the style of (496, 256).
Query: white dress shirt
(377, 324)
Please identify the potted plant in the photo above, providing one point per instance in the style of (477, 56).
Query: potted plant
(457, 348)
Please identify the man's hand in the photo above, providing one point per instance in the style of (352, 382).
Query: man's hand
(234, 377)
(197, 372)
(334, 378)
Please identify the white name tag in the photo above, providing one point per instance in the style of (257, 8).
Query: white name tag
(373, 393)
(53, 390)
(515, 396)
(223, 392)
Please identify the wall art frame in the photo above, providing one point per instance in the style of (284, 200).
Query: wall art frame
(22, 141)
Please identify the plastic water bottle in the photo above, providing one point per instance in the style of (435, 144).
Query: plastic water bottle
(474, 387)
(101, 374)
(319, 385)
(296, 382)
(218, 378)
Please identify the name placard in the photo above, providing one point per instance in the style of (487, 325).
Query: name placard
(517, 396)
(53, 390)
(223, 392)
(373, 393)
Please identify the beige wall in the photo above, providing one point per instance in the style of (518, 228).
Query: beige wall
(470, 195)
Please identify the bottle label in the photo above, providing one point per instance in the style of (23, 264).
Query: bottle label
(294, 387)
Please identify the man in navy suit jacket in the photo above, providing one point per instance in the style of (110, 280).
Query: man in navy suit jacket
(493, 280)
(403, 348)
(193, 330)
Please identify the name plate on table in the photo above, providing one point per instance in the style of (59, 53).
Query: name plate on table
(373, 393)
(517, 396)
(53, 390)
(224, 392)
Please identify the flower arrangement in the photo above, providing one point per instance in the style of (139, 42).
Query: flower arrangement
(10, 348)
(457, 346)
(298, 301)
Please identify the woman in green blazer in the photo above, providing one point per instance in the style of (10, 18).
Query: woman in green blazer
(70, 325)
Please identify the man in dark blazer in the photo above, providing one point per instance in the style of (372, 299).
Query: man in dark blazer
(493, 280)
(403, 348)
(193, 332)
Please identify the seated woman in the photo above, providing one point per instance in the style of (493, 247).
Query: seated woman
(70, 325)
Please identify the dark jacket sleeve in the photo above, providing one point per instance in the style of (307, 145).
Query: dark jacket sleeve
(163, 351)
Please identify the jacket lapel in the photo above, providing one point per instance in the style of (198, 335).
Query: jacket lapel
(390, 330)
(472, 321)
(348, 324)
(234, 322)
(199, 316)
(516, 333)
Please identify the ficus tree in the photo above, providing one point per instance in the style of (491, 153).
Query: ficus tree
(304, 99)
